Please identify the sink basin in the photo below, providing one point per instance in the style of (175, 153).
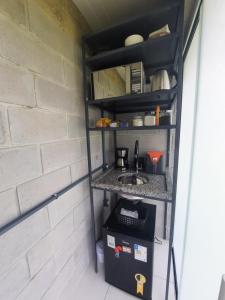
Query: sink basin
(132, 179)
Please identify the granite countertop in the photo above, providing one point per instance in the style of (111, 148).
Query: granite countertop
(158, 186)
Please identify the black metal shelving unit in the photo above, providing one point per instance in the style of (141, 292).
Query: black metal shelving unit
(160, 53)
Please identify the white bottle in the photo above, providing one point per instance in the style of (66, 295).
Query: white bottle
(137, 121)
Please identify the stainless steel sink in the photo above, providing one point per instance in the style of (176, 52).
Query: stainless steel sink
(132, 179)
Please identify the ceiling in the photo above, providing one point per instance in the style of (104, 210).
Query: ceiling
(103, 13)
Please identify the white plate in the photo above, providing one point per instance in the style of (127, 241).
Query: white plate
(133, 39)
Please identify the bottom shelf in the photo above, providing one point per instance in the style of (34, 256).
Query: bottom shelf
(99, 289)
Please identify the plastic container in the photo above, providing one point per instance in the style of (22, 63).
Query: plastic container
(129, 221)
(124, 124)
(165, 117)
(100, 251)
(138, 121)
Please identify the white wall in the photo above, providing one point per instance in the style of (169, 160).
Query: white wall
(204, 253)
(186, 144)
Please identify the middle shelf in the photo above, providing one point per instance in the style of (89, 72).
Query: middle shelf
(136, 102)
(161, 127)
(159, 187)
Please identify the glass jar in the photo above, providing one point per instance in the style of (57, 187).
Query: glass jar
(137, 121)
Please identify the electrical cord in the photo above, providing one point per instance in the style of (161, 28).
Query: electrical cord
(158, 241)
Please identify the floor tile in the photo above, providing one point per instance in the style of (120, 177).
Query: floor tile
(117, 294)
(161, 260)
(93, 286)
(158, 293)
(159, 289)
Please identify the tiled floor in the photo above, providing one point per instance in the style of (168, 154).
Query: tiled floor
(93, 287)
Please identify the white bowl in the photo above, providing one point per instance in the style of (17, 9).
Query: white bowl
(133, 39)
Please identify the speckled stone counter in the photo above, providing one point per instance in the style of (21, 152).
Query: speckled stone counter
(158, 186)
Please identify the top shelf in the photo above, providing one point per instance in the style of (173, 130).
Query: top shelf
(153, 52)
(113, 37)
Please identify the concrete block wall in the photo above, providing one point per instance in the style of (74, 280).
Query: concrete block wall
(42, 148)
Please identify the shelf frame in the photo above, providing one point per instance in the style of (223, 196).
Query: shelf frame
(86, 88)
(179, 61)
(160, 127)
(92, 63)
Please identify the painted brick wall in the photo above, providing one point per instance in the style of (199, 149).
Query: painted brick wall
(42, 148)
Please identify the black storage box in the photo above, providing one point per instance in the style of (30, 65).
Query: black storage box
(129, 249)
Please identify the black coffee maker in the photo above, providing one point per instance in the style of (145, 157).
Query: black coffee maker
(122, 158)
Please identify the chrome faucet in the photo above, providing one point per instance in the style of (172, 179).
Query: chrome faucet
(136, 155)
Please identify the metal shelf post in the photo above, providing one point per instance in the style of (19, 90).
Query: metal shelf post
(177, 142)
(85, 83)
